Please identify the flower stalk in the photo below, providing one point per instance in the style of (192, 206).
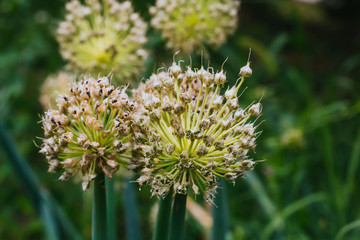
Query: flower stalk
(99, 220)
(220, 213)
(161, 230)
(131, 211)
(178, 217)
(110, 209)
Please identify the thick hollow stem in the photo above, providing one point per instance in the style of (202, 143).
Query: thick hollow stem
(131, 211)
(110, 209)
(99, 226)
(220, 214)
(178, 217)
(161, 231)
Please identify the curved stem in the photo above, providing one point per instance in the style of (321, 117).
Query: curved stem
(161, 230)
(99, 226)
(178, 217)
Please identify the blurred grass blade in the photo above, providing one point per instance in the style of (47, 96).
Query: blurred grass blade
(110, 209)
(21, 168)
(161, 230)
(354, 162)
(54, 220)
(177, 222)
(51, 231)
(336, 187)
(68, 230)
(347, 228)
(279, 43)
(99, 226)
(277, 221)
(131, 212)
(220, 213)
(260, 193)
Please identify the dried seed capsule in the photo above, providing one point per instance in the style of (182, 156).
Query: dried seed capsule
(255, 109)
(220, 78)
(246, 71)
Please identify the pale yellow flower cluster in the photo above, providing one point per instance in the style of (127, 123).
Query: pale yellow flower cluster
(106, 37)
(189, 25)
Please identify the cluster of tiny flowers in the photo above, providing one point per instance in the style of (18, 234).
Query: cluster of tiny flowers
(89, 131)
(188, 25)
(191, 134)
(103, 37)
(53, 86)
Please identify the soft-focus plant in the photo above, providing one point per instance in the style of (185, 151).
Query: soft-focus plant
(53, 87)
(190, 25)
(103, 37)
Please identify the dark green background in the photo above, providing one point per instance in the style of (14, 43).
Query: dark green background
(305, 60)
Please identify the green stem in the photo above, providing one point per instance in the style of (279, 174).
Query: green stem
(110, 209)
(131, 212)
(161, 231)
(220, 213)
(99, 227)
(178, 217)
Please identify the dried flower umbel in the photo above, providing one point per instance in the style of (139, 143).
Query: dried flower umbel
(103, 36)
(53, 86)
(89, 131)
(190, 133)
(188, 25)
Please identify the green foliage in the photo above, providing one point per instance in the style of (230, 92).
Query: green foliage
(307, 76)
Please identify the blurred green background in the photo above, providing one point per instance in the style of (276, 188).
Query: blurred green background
(306, 66)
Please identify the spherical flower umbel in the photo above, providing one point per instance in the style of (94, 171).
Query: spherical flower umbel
(190, 133)
(89, 131)
(103, 36)
(188, 25)
(53, 86)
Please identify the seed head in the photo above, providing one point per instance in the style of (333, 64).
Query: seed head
(201, 135)
(53, 87)
(191, 24)
(89, 131)
(103, 36)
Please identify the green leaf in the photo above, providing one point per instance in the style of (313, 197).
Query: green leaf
(278, 220)
(347, 228)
